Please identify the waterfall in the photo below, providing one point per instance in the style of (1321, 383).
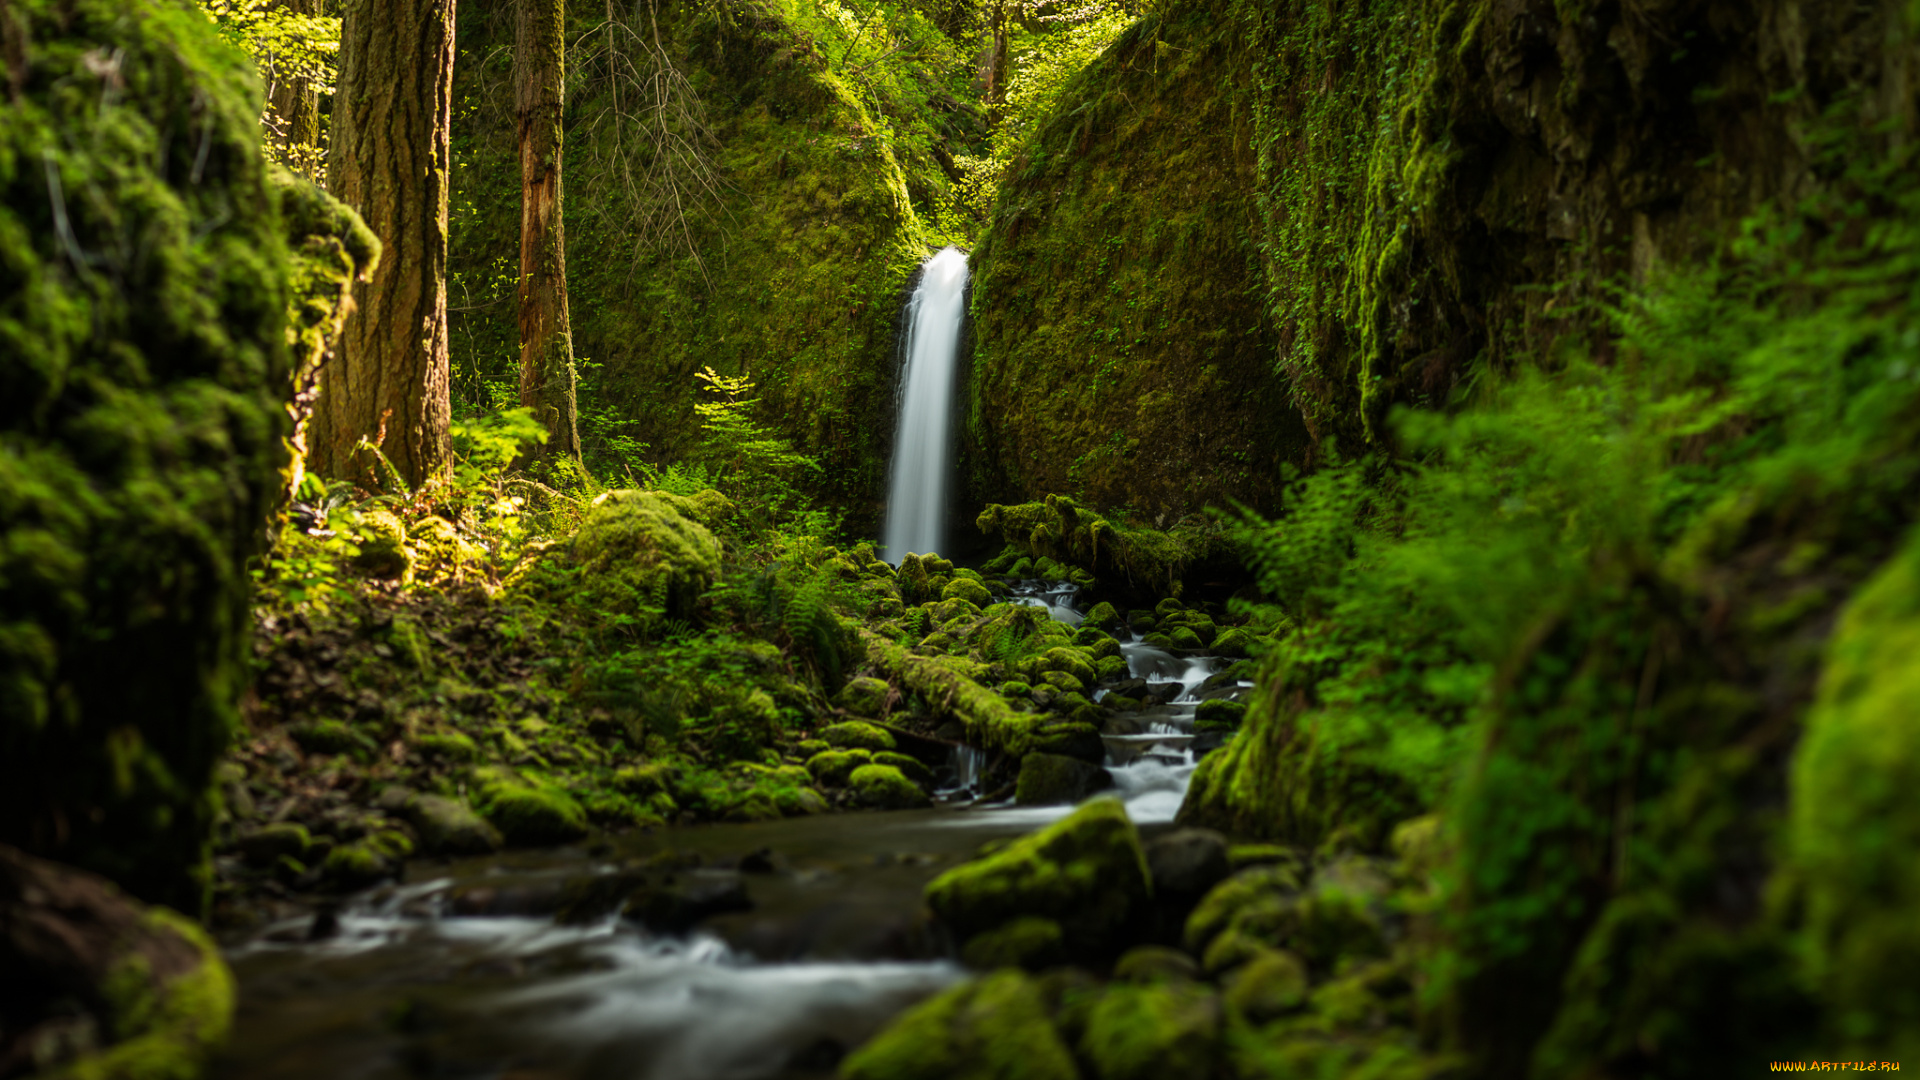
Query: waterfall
(922, 444)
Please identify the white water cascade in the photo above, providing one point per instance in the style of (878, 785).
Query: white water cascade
(922, 445)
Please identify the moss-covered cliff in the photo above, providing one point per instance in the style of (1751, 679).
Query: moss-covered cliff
(787, 258)
(142, 374)
(1122, 353)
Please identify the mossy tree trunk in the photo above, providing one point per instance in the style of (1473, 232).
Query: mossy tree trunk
(296, 104)
(390, 160)
(546, 334)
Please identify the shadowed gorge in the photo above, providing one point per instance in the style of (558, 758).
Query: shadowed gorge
(1138, 538)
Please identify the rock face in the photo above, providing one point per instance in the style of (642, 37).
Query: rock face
(1086, 872)
(99, 985)
(143, 375)
(1121, 353)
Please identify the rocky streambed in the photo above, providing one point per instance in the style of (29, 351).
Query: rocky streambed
(758, 949)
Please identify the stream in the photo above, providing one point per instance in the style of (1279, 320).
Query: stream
(478, 969)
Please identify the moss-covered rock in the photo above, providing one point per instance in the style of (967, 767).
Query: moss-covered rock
(854, 735)
(910, 767)
(1218, 714)
(1854, 825)
(965, 589)
(143, 323)
(381, 538)
(1151, 562)
(101, 987)
(450, 827)
(834, 768)
(1063, 682)
(1103, 617)
(528, 814)
(1144, 1032)
(1053, 779)
(1029, 942)
(864, 696)
(1145, 964)
(640, 554)
(1234, 642)
(993, 1028)
(887, 788)
(1086, 871)
(1271, 984)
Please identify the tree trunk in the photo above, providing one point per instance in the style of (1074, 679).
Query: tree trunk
(390, 160)
(546, 332)
(296, 104)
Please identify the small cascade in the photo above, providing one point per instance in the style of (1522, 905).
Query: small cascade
(923, 443)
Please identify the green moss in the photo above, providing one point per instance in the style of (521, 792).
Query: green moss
(992, 1028)
(639, 554)
(1140, 1032)
(1029, 942)
(1854, 828)
(971, 591)
(1269, 985)
(1060, 680)
(382, 540)
(885, 787)
(527, 814)
(162, 1030)
(1139, 560)
(143, 307)
(864, 696)
(834, 768)
(854, 735)
(329, 737)
(356, 865)
(1087, 871)
(910, 767)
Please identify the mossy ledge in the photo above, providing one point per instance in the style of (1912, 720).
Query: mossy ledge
(143, 316)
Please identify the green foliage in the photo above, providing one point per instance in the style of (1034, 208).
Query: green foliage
(745, 456)
(287, 47)
(488, 443)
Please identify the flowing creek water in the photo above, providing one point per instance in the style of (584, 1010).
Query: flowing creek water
(473, 969)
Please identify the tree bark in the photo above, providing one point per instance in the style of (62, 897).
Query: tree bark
(390, 160)
(297, 106)
(547, 383)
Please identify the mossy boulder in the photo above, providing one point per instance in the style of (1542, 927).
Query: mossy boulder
(329, 736)
(1064, 658)
(450, 827)
(1029, 942)
(1151, 1031)
(1218, 714)
(440, 551)
(864, 695)
(1109, 668)
(887, 788)
(970, 590)
(100, 986)
(1086, 871)
(1268, 986)
(274, 841)
(639, 554)
(1235, 643)
(910, 767)
(1102, 616)
(1854, 825)
(144, 377)
(834, 768)
(854, 735)
(1184, 638)
(1053, 780)
(1146, 964)
(382, 539)
(528, 815)
(996, 1027)
(1063, 682)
